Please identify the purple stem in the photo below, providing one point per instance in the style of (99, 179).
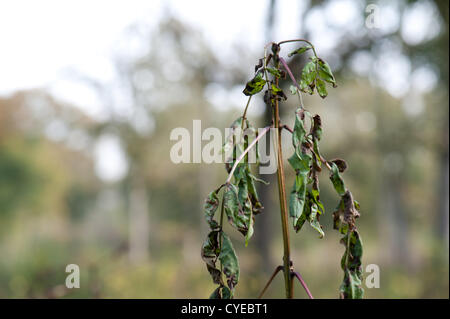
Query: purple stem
(289, 72)
(299, 277)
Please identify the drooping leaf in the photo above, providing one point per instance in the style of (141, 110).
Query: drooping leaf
(351, 287)
(338, 216)
(297, 197)
(211, 204)
(321, 88)
(248, 201)
(309, 73)
(255, 85)
(350, 211)
(233, 209)
(341, 164)
(325, 72)
(304, 87)
(313, 221)
(275, 49)
(210, 252)
(278, 93)
(310, 214)
(300, 162)
(254, 198)
(317, 127)
(229, 262)
(293, 89)
(337, 180)
(259, 65)
(299, 132)
(315, 195)
(275, 72)
(221, 292)
(300, 50)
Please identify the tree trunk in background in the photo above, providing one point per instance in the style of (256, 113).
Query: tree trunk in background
(444, 200)
(442, 221)
(443, 189)
(138, 222)
(396, 218)
(263, 226)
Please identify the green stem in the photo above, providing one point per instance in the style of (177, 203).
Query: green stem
(245, 112)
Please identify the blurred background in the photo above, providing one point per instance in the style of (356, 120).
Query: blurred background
(90, 91)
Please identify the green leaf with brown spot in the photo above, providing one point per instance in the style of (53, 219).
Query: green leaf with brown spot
(210, 252)
(325, 72)
(229, 262)
(309, 73)
(300, 50)
(351, 287)
(337, 180)
(210, 207)
(321, 88)
(255, 85)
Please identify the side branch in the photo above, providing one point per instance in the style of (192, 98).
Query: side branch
(277, 270)
(266, 129)
(290, 73)
(303, 283)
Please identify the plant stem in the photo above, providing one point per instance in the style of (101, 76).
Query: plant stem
(303, 283)
(230, 175)
(300, 40)
(283, 206)
(290, 73)
(245, 111)
(277, 270)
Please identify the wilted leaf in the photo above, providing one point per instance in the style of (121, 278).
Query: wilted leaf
(211, 204)
(309, 214)
(229, 262)
(317, 127)
(351, 287)
(309, 73)
(305, 87)
(255, 85)
(233, 209)
(221, 292)
(259, 65)
(341, 164)
(350, 212)
(337, 180)
(293, 89)
(325, 72)
(300, 163)
(297, 197)
(298, 136)
(210, 252)
(321, 88)
(274, 72)
(300, 51)
(277, 92)
(313, 221)
(315, 195)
